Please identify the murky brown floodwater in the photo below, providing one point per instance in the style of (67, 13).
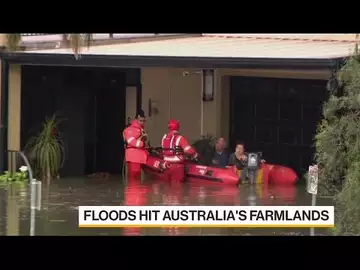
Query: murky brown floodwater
(61, 199)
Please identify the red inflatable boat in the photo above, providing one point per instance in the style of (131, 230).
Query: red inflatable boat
(267, 173)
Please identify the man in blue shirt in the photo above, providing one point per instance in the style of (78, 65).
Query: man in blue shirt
(221, 156)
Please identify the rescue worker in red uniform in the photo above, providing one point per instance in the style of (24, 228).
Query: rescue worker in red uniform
(175, 147)
(136, 152)
(135, 143)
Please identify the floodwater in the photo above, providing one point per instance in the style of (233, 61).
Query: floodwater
(61, 198)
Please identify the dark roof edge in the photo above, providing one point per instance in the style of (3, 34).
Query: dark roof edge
(163, 61)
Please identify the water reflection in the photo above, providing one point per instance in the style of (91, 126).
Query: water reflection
(13, 211)
(61, 199)
(13, 198)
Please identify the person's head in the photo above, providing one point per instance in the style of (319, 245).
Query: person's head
(140, 118)
(240, 148)
(174, 125)
(220, 144)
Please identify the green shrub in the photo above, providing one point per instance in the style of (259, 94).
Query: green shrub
(338, 148)
(21, 176)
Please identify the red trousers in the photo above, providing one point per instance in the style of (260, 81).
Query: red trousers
(175, 172)
(134, 169)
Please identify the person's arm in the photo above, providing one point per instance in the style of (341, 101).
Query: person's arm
(187, 148)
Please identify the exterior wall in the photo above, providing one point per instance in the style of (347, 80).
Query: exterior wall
(180, 97)
(174, 96)
(14, 113)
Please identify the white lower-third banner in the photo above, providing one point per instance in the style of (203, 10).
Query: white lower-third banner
(206, 216)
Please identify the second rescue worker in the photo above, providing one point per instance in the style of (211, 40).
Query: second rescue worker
(175, 147)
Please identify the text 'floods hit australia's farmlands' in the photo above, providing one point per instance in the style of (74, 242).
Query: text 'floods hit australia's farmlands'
(201, 215)
(143, 216)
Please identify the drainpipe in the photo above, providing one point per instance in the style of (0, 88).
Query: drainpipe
(4, 114)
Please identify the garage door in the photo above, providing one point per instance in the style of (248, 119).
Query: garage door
(278, 117)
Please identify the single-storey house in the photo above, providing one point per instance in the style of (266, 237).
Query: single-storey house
(265, 90)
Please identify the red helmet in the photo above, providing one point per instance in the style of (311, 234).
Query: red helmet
(174, 125)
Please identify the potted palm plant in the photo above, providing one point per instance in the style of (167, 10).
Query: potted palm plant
(47, 150)
(205, 147)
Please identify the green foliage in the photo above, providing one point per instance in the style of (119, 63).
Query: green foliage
(205, 147)
(338, 148)
(347, 203)
(14, 177)
(46, 150)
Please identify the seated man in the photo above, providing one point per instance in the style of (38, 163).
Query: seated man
(221, 156)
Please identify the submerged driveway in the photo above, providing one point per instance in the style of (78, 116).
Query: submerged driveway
(60, 201)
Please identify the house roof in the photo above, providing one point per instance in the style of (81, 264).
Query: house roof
(308, 37)
(30, 42)
(301, 49)
(231, 46)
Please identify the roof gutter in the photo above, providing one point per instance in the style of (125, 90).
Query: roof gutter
(163, 61)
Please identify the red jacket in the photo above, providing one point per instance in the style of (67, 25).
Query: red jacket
(135, 146)
(175, 146)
